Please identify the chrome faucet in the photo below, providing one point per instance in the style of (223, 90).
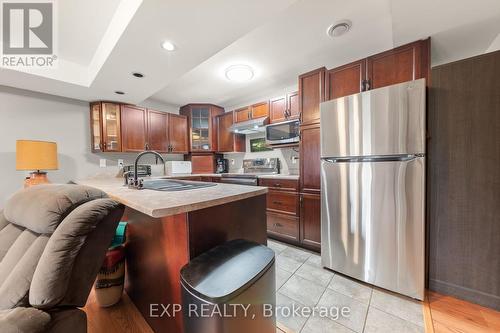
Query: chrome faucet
(135, 182)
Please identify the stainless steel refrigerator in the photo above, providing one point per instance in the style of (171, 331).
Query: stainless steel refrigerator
(373, 187)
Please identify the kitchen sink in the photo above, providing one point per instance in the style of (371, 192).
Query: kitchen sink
(173, 185)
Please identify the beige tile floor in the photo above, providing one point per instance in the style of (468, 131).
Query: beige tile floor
(301, 280)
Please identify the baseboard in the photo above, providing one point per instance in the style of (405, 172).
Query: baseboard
(471, 295)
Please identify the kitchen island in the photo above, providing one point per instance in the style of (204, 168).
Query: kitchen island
(167, 229)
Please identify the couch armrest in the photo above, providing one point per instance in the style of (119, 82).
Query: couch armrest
(23, 320)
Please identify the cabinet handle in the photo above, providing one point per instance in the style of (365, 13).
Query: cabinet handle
(277, 202)
(365, 85)
(277, 185)
(278, 225)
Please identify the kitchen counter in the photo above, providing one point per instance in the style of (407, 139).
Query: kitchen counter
(166, 230)
(161, 204)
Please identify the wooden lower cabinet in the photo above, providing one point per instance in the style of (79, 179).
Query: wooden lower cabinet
(310, 221)
(283, 227)
(283, 202)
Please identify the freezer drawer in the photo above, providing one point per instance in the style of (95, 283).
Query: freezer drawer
(384, 121)
(372, 222)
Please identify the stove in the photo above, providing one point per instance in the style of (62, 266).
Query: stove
(252, 168)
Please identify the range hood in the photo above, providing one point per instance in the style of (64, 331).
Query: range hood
(250, 126)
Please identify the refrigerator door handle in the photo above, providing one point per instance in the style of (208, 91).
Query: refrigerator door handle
(381, 158)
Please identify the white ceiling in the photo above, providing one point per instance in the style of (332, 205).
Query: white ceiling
(99, 49)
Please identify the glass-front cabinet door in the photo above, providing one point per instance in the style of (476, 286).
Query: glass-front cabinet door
(111, 127)
(95, 126)
(200, 132)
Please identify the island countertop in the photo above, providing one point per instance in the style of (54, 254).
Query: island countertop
(161, 204)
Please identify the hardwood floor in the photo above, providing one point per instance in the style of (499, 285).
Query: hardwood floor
(442, 314)
(119, 318)
(453, 315)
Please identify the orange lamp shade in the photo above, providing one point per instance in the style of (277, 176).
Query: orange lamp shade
(36, 155)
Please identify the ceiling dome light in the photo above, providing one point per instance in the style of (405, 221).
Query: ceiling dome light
(167, 45)
(239, 73)
(339, 28)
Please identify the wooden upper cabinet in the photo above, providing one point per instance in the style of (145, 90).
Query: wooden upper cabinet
(405, 63)
(157, 131)
(202, 126)
(345, 80)
(111, 127)
(284, 108)
(277, 109)
(134, 128)
(242, 114)
(259, 110)
(293, 105)
(178, 134)
(226, 140)
(96, 127)
(311, 94)
(310, 159)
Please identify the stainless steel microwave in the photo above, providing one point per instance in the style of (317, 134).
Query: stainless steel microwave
(283, 133)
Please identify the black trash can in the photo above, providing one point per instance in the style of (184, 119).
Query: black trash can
(230, 289)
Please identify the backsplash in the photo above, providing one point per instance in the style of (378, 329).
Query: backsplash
(286, 156)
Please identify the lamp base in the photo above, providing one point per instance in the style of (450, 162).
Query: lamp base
(36, 178)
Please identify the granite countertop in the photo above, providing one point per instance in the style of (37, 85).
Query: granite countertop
(160, 204)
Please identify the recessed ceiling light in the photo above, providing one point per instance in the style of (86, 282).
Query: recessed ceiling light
(239, 73)
(119, 92)
(339, 28)
(137, 74)
(168, 45)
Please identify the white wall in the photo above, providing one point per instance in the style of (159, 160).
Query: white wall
(29, 115)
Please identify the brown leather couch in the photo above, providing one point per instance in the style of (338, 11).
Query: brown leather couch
(53, 239)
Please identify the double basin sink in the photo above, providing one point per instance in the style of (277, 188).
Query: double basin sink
(170, 185)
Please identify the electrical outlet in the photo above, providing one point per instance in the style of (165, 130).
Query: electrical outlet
(294, 159)
(102, 162)
(232, 161)
(120, 163)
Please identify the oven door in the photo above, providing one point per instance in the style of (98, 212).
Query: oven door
(282, 133)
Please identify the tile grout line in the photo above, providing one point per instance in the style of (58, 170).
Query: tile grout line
(368, 309)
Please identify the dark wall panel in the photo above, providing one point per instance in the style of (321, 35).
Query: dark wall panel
(464, 180)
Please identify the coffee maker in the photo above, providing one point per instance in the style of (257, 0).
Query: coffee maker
(222, 165)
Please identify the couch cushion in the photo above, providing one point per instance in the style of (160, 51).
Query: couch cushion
(74, 254)
(18, 265)
(41, 208)
(23, 320)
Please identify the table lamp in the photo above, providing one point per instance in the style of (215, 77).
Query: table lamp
(36, 155)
